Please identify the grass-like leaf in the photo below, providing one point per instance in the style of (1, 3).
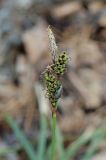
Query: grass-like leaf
(73, 148)
(21, 137)
(99, 137)
(42, 138)
(59, 145)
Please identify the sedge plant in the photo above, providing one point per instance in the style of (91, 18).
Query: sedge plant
(52, 79)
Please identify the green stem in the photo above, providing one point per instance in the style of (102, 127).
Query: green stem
(53, 135)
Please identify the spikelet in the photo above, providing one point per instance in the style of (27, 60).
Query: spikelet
(53, 85)
(53, 72)
(60, 65)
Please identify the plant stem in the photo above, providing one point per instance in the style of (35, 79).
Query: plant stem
(53, 135)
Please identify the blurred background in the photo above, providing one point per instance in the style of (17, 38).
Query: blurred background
(79, 27)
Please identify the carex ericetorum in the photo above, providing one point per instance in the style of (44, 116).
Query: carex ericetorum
(54, 72)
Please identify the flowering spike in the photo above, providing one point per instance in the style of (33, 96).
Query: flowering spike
(52, 44)
(53, 72)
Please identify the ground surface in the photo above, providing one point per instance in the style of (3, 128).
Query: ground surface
(80, 29)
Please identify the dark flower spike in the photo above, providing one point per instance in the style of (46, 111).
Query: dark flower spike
(54, 72)
(53, 86)
(60, 65)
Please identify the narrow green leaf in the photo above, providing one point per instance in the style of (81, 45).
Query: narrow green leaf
(59, 142)
(42, 138)
(94, 145)
(73, 148)
(21, 137)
